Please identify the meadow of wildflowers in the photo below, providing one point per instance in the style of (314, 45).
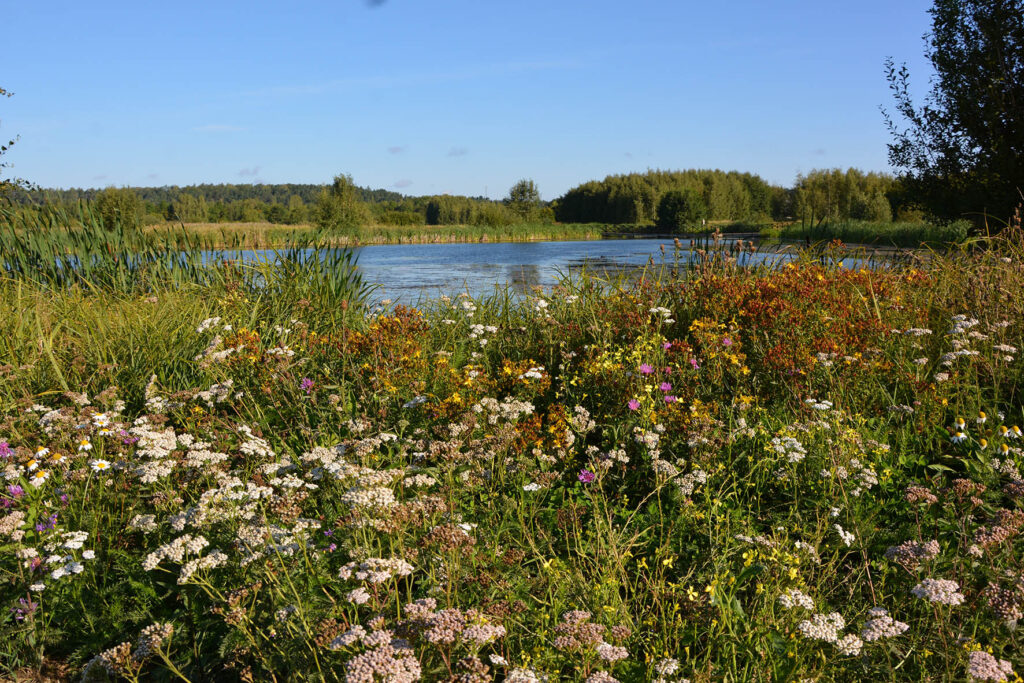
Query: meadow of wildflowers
(797, 473)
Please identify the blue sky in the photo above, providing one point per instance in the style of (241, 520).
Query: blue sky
(458, 96)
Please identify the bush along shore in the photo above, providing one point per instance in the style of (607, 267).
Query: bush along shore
(802, 472)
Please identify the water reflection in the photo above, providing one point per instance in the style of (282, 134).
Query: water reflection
(523, 278)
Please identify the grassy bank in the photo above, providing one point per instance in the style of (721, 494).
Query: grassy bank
(803, 473)
(267, 235)
(852, 232)
(895, 234)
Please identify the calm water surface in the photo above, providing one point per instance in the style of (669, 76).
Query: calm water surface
(408, 273)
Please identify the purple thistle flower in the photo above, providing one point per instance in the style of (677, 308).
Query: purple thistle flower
(586, 476)
(15, 490)
(633, 404)
(5, 450)
(666, 387)
(306, 384)
(646, 369)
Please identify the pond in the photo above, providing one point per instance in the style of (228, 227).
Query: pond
(409, 273)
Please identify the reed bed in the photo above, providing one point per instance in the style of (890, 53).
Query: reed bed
(896, 233)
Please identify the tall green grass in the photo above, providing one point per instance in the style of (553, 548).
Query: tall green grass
(878, 233)
(59, 249)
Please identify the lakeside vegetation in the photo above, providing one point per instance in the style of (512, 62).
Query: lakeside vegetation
(827, 204)
(226, 472)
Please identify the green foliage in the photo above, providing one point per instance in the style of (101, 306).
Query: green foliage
(524, 200)
(837, 195)
(889, 233)
(188, 209)
(959, 152)
(340, 206)
(680, 209)
(297, 210)
(63, 250)
(119, 208)
(634, 198)
(456, 210)
(9, 185)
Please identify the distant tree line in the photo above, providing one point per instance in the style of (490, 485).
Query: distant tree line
(634, 198)
(684, 199)
(671, 200)
(339, 205)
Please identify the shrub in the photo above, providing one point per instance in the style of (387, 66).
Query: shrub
(679, 209)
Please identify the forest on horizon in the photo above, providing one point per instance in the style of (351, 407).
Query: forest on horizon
(668, 199)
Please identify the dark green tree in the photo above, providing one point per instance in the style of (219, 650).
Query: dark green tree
(341, 206)
(960, 152)
(119, 206)
(524, 199)
(680, 209)
(297, 211)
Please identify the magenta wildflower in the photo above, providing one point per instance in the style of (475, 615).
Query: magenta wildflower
(667, 345)
(586, 476)
(15, 491)
(666, 387)
(727, 342)
(306, 384)
(633, 404)
(670, 399)
(695, 364)
(646, 369)
(5, 450)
